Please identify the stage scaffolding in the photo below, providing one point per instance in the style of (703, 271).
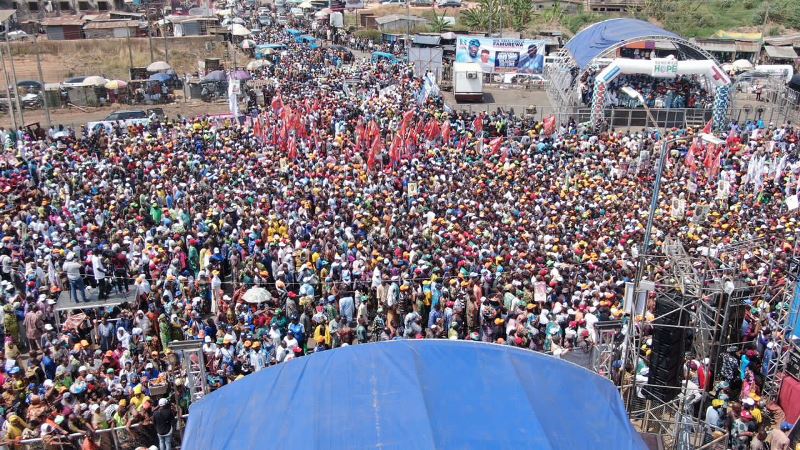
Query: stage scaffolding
(711, 296)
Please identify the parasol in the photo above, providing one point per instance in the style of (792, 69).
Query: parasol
(248, 43)
(161, 77)
(256, 295)
(94, 80)
(257, 64)
(239, 30)
(116, 84)
(742, 64)
(158, 66)
(241, 75)
(217, 75)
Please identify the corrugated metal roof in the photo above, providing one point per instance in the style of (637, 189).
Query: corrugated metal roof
(787, 39)
(109, 24)
(780, 52)
(395, 17)
(747, 46)
(5, 14)
(63, 21)
(421, 39)
(717, 46)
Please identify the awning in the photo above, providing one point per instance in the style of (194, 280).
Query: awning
(780, 52)
(747, 46)
(420, 39)
(717, 46)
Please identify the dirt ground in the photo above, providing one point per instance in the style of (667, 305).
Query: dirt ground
(75, 118)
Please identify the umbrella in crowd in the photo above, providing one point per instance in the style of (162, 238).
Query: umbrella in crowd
(216, 75)
(116, 84)
(239, 30)
(248, 43)
(94, 81)
(257, 295)
(161, 77)
(742, 64)
(257, 64)
(158, 66)
(241, 75)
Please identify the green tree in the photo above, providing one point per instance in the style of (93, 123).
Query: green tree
(485, 16)
(439, 24)
(519, 14)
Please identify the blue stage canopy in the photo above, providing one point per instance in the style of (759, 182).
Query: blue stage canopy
(415, 394)
(596, 39)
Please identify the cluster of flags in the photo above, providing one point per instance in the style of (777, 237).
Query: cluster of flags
(404, 143)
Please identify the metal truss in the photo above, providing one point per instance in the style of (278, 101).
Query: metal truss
(563, 90)
(710, 292)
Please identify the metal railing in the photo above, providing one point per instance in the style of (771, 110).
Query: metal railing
(113, 433)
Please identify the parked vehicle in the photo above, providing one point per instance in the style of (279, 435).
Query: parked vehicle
(467, 82)
(393, 2)
(421, 2)
(74, 81)
(383, 56)
(31, 101)
(122, 118)
(449, 4)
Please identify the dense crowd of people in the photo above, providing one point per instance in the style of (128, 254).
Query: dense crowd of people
(336, 215)
(680, 92)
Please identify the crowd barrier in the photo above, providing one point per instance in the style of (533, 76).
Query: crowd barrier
(117, 440)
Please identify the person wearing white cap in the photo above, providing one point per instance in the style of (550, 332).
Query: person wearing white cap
(76, 284)
(163, 419)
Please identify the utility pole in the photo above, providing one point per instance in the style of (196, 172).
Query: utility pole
(763, 32)
(11, 111)
(164, 33)
(130, 52)
(14, 77)
(408, 31)
(150, 35)
(41, 80)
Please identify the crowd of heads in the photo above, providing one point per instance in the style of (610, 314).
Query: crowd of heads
(345, 209)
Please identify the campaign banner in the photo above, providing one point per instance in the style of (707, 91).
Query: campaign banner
(500, 55)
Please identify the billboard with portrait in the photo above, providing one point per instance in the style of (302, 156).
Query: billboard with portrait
(501, 55)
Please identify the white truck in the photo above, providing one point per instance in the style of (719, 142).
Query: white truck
(467, 82)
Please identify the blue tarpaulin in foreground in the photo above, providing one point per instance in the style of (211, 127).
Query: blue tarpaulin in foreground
(415, 394)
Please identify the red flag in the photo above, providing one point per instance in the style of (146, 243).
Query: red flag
(277, 103)
(420, 128)
(372, 130)
(292, 149)
(394, 150)
(446, 131)
(477, 124)
(257, 127)
(361, 134)
(690, 161)
(732, 138)
(407, 116)
(375, 150)
(708, 128)
(549, 125)
(496, 143)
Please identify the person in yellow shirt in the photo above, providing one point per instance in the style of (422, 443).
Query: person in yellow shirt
(138, 399)
(322, 335)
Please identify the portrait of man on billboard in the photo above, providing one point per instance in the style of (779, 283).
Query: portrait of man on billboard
(531, 61)
(473, 48)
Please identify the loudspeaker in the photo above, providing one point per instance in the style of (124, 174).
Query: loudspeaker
(669, 340)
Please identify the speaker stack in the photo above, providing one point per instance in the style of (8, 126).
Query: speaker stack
(669, 340)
